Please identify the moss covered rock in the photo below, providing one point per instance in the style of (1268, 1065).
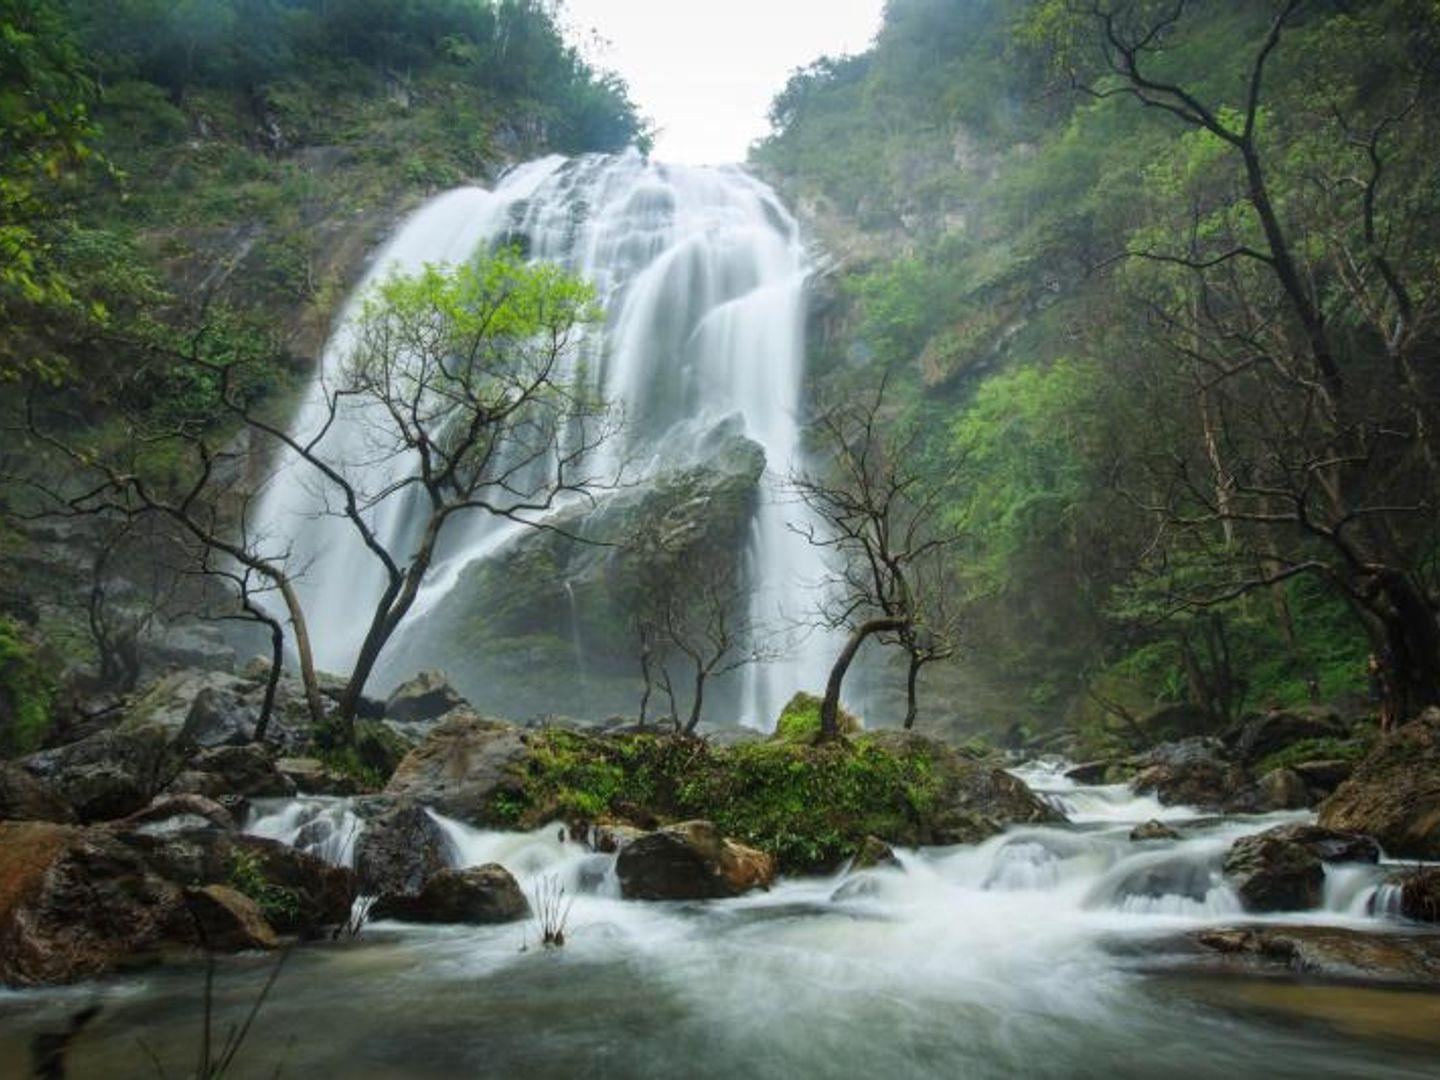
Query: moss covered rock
(800, 720)
(811, 807)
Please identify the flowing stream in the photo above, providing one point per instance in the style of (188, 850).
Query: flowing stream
(701, 273)
(1046, 952)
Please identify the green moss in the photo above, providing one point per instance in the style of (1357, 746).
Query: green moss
(1325, 749)
(26, 692)
(810, 806)
(278, 903)
(800, 721)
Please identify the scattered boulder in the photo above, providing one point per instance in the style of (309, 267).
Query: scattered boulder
(1282, 868)
(477, 895)
(311, 776)
(76, 902)
(1153, 830)
(428, 696)
(1332, 952)
(234, 770)
(1323, 777)
(108, 774)
(1394, 793)
(874, 853)
(220, 716)
(1282, 789)
(1089, 772)
(227, 920)
(1420, 895)
(298, 892)
(24, 797)
(168, 703)
(179, 813)
(1192, 772)
(460, 768)
(609, 839)
(400, 851)
(1260, 736)
(690, 861)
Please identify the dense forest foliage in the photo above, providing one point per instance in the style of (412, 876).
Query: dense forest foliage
(1160, 283)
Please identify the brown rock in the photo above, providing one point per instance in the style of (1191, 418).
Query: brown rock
(1332, 952)
(227, 920)
(1153, 830)
(1394, 793)
(76, 902)
(690, 861)
(1282, 869)
(460, 768)
(26, 798)
(173, 813)
(1420, 895)
(1283, 789)
(477, 895)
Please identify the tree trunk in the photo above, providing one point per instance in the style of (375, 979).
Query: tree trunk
(911, 677)
(830, 707)
(302, 648)
(1412, 638)
(392, 608)
(277, 658)
(696, 705)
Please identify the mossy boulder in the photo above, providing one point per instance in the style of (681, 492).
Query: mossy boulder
(811, 807)
(1394, 793)
(800, 720)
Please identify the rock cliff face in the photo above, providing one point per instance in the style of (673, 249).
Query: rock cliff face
(553, 608)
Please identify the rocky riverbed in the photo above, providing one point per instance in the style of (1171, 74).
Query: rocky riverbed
(988, 923)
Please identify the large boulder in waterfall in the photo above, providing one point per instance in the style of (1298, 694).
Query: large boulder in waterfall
(462, 767)
(399, 851)
(108, 774)
(545, 620)
(1282, 869)
(690, 861)
(24, 797)
(77, 902)
(1394, 793)
(1192, 772)
(428, 696)
(297, 892)
(476, 895)
(1329, 952)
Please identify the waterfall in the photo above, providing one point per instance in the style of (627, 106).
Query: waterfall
(701, 275)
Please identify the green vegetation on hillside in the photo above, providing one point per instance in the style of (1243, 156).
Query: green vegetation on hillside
(1183, 476)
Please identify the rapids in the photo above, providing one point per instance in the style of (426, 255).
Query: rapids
(1045, 952)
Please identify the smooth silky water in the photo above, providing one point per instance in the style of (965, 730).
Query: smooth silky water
(1042, 952)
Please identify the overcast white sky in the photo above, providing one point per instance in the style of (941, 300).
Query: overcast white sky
(706, 70)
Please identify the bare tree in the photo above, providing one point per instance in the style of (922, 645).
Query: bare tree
(691, 612)
(881, 516)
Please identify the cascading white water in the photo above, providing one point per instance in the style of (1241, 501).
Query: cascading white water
(701, 273)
